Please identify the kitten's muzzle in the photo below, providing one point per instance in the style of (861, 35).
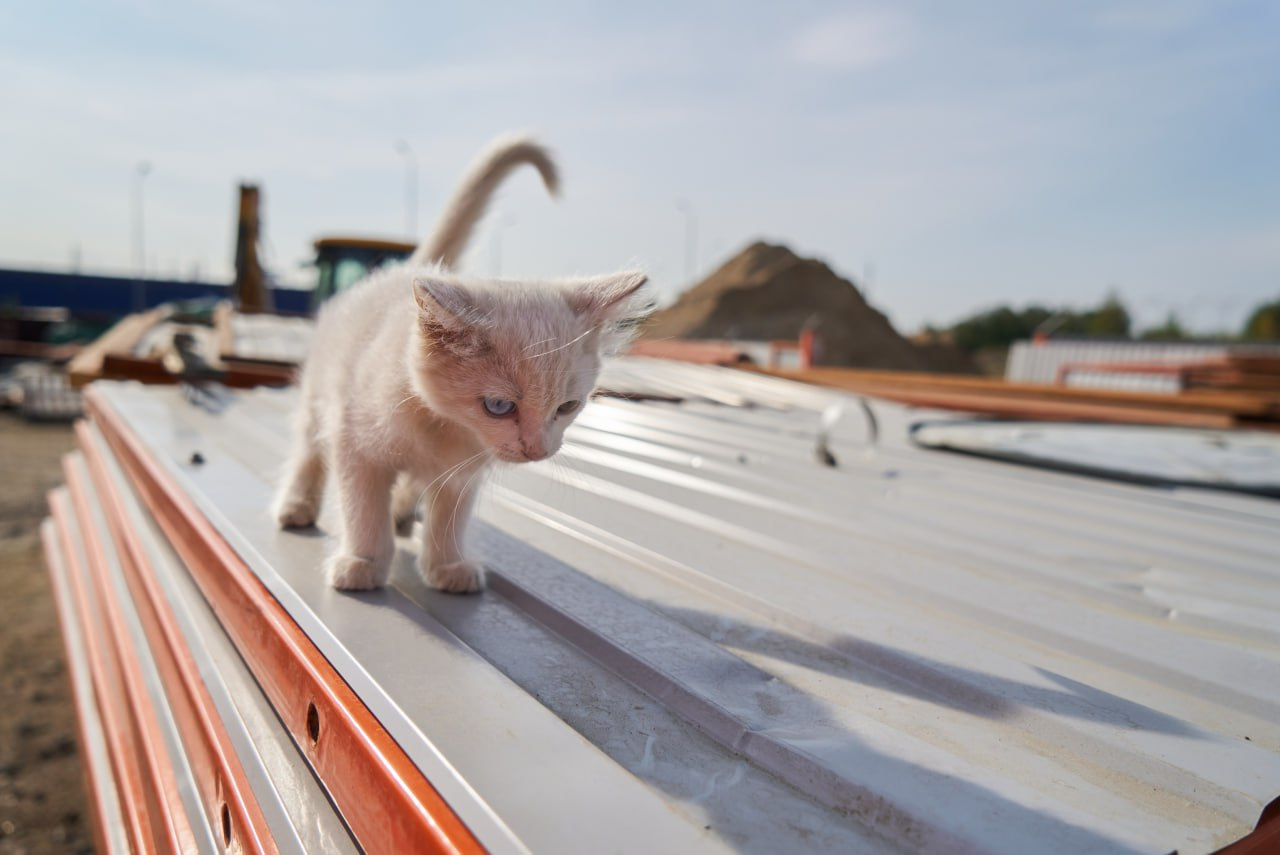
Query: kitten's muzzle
(523, 456)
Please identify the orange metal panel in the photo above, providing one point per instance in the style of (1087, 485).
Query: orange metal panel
(117, 726)
(95, 775)
(1263, 840)
(225, 791)
(384, 798)
(170, 824)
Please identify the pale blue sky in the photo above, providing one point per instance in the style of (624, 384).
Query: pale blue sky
(964, 154)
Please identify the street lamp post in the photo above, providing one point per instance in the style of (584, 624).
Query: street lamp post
(140, 172)
(410, 188)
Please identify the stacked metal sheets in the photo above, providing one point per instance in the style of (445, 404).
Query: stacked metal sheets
(699, 636)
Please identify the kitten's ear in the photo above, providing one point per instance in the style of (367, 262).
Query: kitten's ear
(447, 304)
(450, 316)
(608, 298)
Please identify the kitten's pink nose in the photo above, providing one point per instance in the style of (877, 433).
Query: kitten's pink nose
(534, 451)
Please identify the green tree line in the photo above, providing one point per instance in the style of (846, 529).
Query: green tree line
(1003, 325)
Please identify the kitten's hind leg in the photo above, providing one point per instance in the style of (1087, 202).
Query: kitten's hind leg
(404, 503)
(298, 502)
(441, 561)
(365, 548)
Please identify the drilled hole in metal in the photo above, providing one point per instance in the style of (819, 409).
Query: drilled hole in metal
(313, 723)
(226, 825)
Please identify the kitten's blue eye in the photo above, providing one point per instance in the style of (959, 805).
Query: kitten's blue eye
(568, 407)
(499, 407)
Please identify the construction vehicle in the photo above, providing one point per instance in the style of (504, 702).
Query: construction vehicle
(343, 261)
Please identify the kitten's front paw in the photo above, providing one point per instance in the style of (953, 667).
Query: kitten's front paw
(460, 577)
(353, 573)
(295, 513)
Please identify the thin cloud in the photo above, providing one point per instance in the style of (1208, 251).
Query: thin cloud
(851, 40)
(1162, 18)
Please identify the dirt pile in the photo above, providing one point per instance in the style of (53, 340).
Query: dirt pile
(768, 292)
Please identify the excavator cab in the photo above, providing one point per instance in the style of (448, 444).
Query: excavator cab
(342, 261)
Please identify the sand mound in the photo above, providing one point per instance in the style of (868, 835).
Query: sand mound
(768, 292)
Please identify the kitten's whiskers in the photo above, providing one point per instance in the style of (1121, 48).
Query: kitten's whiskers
(447, 476)
(453, 517)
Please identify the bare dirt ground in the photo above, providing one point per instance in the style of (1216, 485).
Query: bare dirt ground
(42, 801)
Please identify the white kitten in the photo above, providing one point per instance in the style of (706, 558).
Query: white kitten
(421, 372)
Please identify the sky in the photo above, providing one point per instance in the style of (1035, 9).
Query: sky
(948, 156)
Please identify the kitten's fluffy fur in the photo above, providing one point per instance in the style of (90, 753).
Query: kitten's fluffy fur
(399, 370)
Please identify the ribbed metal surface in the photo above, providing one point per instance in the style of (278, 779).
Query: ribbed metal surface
(697, 633)
(1041, 363)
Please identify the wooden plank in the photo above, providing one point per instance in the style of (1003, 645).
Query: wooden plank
(237, 375)
(224, 332)
(120, 339)
(1205, 408)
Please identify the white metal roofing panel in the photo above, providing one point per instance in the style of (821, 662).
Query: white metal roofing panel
(776, 655)
(1032, 362)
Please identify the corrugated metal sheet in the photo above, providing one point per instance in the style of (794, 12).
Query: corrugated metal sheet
(1041, 362)
(699, 636)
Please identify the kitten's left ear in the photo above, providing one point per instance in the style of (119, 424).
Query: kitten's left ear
(450, 316)
(607, 298)
(446, 303)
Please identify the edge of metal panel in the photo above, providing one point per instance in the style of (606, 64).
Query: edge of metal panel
(1265, 837)
(227, 688)
(177, 822)
(385, 799)
(227, 799)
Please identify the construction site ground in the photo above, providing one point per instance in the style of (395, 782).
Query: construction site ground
(42, 803)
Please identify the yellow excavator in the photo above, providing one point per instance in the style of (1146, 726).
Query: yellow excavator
(343, 261)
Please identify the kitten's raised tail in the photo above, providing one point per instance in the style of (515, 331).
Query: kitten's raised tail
(445, 244)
